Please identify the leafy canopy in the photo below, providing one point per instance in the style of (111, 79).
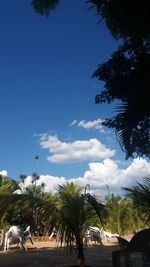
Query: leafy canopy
(126, 73)
(44, 7)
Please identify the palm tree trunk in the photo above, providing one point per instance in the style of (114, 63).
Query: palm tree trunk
(80, 253)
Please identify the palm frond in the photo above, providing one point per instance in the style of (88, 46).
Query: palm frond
(99, 207)
(140, 195)
(9, 186)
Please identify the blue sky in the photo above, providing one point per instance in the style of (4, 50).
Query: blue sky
(47, 98)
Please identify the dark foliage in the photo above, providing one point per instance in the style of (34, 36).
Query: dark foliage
(126, 73)
(44, 7)
(126, 77)
(124, 19)
(99, 208)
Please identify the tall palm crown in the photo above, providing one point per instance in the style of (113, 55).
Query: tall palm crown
(73, 216)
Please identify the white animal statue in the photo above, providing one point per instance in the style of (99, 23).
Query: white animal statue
(16, 233)
(93, 234)
(106, 235)
(97, 235)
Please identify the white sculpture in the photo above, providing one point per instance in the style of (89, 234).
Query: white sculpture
(15, 232)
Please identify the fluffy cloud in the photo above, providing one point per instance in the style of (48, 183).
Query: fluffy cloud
(108, 173)
(100, 175)
(51, 182)
(67, 152)
(95, 124)
(3, 173)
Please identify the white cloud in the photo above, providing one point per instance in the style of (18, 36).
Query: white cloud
(3, 173)
(95, 124)
(108, 173)
(51, 182)
(73, 122)
(67, 152)
(101, 174)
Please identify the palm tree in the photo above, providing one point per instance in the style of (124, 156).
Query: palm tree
(74, 216)
(7, 185)
(35, 190)
(140, 195)
(119, 214)
(15, 211)
(68, 211)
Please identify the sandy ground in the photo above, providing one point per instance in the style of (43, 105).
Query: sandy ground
(48, 253)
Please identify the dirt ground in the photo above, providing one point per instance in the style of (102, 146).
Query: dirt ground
(48, 253)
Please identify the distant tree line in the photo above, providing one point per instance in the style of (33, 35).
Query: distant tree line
(72, 211)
